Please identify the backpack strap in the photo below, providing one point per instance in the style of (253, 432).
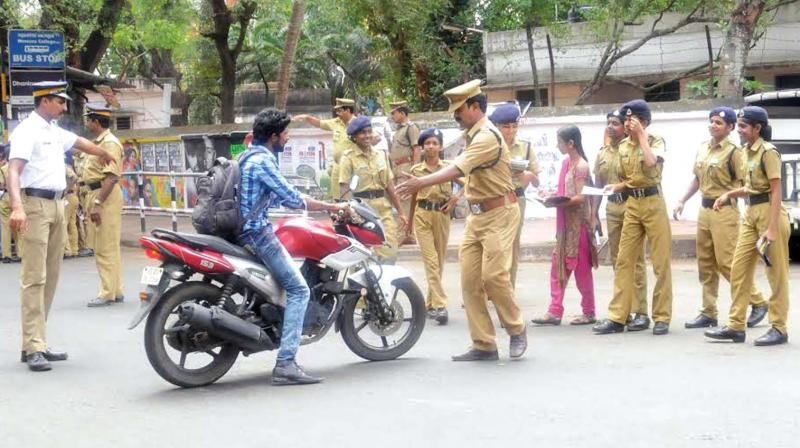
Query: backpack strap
(499, 150)
(408, 139)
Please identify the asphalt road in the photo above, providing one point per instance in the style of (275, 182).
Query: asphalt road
(572, 388)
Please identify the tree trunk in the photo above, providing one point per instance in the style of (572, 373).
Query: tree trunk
(285, 71)
(736, 47)
(537, 97)
(423, 86)
(227, 91)
(99, 39)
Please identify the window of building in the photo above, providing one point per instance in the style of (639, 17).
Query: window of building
(670, 91)
(787, 82)
(123, 123)
(527, 96)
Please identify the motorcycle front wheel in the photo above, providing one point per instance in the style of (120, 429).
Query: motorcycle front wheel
(179, 353)
(367, 337)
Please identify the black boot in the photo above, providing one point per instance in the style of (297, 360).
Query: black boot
(701, 321)
(608, 326)
(640, 322)
(48, 355)
(725, 333)
(772, 337)
(477, 355)
(441, 316)
(518, 345)
(289, 373)
(757, 315)
(37, 362)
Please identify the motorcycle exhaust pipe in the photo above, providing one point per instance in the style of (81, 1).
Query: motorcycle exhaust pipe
(226, 326)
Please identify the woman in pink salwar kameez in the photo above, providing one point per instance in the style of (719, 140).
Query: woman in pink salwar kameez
(575, 251)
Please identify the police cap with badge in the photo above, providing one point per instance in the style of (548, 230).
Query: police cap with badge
(459, 95)
(51, 88)
(97, 110)
(637, 108)
(505, 114)
(358, 124)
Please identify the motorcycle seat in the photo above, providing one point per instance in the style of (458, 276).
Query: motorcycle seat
(209, 242)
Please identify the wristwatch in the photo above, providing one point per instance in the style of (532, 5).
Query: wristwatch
(97, 202)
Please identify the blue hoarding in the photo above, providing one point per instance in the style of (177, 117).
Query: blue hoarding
(35, 49)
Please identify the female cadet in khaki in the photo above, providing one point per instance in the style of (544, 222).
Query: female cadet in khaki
(764, 218)
(430, 212)
(104, 207)
(486, 246)
(718, 169)
(642, 160)
(345, 113)
(375, 182)
(607, 171)
(506, 118)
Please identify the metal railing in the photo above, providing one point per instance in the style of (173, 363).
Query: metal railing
(173, 209)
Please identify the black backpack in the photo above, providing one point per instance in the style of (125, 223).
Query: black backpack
(217, 211)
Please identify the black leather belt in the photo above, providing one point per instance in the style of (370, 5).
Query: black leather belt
(91, 185)
(369, 194)
(709, 202)
(618, 198)
(755, 199)
(44, 194)
(520, 192)
(430, 205)
(641, 192)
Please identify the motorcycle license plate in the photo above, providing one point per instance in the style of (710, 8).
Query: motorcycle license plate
(151, 275)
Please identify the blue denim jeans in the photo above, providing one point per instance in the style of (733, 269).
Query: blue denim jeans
(274, 256)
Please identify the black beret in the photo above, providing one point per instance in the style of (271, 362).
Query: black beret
(640, 108)
(504, 114)
(726, 113)
(615, 113)
(754, 113)
(358, 124)
(428, 133)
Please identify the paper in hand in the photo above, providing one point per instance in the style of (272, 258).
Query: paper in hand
(763, 246)
(592, 191)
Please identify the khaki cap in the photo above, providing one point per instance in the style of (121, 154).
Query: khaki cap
(459, 95)
(342, 102)
(397, 105)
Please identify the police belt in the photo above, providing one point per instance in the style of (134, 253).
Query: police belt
(755, 199)
(709, 202)
(520, 192)
(44, 194)
(369, 194)
(431, 206)
(618, 198)
(641, 192)
(490, 204)
(402, 161)
(91, 185)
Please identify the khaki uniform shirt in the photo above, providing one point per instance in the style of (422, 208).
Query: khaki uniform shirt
(435, 193)
(341, 142)
(485, 148)
(761, 154)
(404, 140)
(93, 168)
(72, 180)
(4, 184)
(633, 172)
(522, 150)
(718, 169)
(606, 166)
(372, 168)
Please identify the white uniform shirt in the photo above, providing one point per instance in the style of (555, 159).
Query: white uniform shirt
(42, 145)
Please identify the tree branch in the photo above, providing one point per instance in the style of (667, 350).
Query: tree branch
(779, 4)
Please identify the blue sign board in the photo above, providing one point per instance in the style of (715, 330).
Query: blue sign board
(36, 49)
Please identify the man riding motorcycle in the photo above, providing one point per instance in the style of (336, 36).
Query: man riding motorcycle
(263, 186)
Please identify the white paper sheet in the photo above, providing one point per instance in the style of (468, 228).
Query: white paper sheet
(592, 191)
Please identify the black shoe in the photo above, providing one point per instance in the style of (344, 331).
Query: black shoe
(660, 328)
(97, 302)
(37, 362)
(6, 260)
(119, 299)
(639, 322)
(772, 337)
(518, 345)
(701, 321)
(288, 373)
(48, 355)
(725, 333)
(16, 259)
(441, 316)
(757, 315)
(608, 326)
(477, 355)
(85, 253)
(432, 313)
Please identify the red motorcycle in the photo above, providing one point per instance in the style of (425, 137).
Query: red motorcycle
(210, 299)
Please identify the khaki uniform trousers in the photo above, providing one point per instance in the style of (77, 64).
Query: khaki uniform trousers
(717, 233)
(336, 191)
(42, 253)
(105, 239)
(485, 259)
(517, 253)
(81, 223)
(615, 215)
(7, 233)
(756, 221)
(405, 204)
(388, 252)
(71, 219)
(432, 229)
(644, 217)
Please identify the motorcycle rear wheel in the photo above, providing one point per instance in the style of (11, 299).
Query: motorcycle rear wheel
(156, 341)
(351, 329)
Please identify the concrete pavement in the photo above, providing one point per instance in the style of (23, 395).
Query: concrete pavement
(573, 389)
